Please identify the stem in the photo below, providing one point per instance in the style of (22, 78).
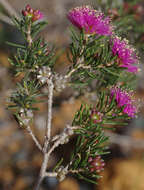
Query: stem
(29, 38)
(55, 174)
(76, 171)
(34, 138)
(59, 140)
(79, 62)
(51, 174)
(42, 171)
(49, 116)
(47, 135)
(79, 66)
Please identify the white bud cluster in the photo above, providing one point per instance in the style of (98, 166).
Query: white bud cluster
(59, 82)
(26, 116)
(44, 74)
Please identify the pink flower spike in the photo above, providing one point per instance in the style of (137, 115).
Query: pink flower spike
(127, 57)
(126, 99)
(92, 21)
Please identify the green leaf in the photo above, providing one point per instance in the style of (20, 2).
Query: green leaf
(36, 28)
(15, 45)
(86, 179)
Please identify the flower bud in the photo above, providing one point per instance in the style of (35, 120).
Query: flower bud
(28, 7)
(24, 13)
(34, 15)
(96, 164)
(96, 116)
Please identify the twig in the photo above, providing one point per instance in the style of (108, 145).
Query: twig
(66, 171)
(5, 19)
(80, 65)
(49, 116)
(51, 174)
(62, 138)
(76, 171)
(10, 10)
(34, 138)
(79, 62)
(68, 131)
(47, 135)
(125, 140)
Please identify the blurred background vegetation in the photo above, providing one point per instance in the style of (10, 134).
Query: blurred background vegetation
(20, 160)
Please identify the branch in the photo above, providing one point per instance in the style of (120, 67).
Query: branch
(34, 138)
(47, 135)
(63, 137)
(10, 10)
(62, 173)
(80, 65)
(51, 174)
(50, 99)
(68, 131)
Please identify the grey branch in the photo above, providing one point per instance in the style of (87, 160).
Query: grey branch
(51, 174)
(34, 138)
(50, 99)
(62, 173)
(47, 135)
(63, 137)
(68, 131)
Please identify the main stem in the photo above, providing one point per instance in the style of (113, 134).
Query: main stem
(47, 135)
(29, 38)
(49, 116)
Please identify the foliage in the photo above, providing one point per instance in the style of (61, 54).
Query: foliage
(92, 60)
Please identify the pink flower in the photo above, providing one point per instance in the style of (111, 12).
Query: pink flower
(126, 54)
(92, 21)
(124, 99)
(31, 13)
(96, 164)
